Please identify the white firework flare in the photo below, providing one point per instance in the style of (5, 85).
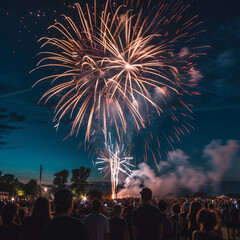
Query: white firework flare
(115, 159)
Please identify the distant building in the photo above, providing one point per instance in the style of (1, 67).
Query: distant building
(4, 195)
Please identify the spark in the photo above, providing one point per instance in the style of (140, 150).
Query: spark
(114, 160)
(56, 126)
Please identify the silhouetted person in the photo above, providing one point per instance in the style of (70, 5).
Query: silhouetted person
(183, 224)
(191, 217)
(22, 214)
(207, 220)
(128, 218)
(175, 221)
(33, 225)
(227, 219)
(235, 220)
(2, 204)
(146, 219)
(96, 223)
(9, 229)
(63, 226)
(211, 206)
(166, 221)
(118, 226)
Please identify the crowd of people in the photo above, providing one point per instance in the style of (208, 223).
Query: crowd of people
(143, 218)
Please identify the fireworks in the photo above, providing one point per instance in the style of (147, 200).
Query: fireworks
(115, 159)
(117, 66)
(109, 65)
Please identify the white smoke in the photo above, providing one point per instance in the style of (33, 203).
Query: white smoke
(184, 52)
(220, 158)
(195, 74)
(181, 174)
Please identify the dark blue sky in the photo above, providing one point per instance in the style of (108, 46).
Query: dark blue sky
(27, 136)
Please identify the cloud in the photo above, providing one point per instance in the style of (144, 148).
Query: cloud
(3, 117)
(5, 128)
(178, 175)
(225, 59)
(17, 118)
(220, 158)
(220, 86)
(2, 144)
(41, 122)
(6, 123)
(14, 92)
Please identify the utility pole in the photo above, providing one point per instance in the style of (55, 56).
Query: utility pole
(41, 171)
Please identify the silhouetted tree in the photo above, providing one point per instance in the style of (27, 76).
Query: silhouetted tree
(79, 180)
(31, 188)
(95, 193)
(60, 179)
(8, 182)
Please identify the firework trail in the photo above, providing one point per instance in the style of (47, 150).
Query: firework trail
(115, 159)
(108, 63)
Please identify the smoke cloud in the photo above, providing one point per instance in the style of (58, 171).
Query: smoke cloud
(220, 158)
(178, 175)
(195, 74)
(184, 52)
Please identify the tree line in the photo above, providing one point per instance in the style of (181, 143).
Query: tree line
(78, 180)
(9, 183)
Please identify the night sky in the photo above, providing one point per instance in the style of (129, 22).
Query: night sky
(27, 135)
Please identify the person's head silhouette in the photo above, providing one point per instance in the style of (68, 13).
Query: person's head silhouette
(63, 200)
(146, 195)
